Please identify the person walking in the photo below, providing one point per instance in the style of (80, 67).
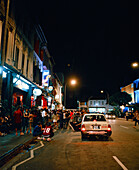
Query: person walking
(18, 120)
(136, 118)
(127, 115)
(70, 125)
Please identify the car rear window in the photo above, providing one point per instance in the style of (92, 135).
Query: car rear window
(94, 117)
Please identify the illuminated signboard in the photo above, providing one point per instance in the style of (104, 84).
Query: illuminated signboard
(37, 92)
(45, 78)
(20, 84)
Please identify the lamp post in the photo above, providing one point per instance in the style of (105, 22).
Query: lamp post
(72, 83)
(107, 96)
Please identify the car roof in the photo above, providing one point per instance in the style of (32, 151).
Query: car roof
(94, 114)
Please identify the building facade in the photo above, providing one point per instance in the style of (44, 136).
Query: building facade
(100, 105)
(130, 90)
(26, 67)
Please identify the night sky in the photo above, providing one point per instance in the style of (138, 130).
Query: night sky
(99, 39)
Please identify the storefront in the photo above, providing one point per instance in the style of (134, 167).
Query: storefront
(17, 90)
(98, 109)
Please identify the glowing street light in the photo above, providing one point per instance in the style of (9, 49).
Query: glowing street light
(73, 82)
(107, 94)
(102, 91)
(135, 64)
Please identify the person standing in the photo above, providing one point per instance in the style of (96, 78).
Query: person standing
(136, 118)
(127, 115)
(30, 121)
(18, 120)
(26, 121)
(55, 119)
(61, 119)
(64, 120)
(46, 116)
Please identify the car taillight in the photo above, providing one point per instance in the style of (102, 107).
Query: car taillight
(83, 128)
(109, 127)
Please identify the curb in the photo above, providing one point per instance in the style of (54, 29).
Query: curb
(13, 152)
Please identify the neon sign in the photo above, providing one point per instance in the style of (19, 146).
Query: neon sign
(45, 78)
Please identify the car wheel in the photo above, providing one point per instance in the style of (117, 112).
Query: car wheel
(106, 137)
(83, 137)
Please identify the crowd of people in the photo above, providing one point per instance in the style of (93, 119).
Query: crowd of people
(133, 116)
(25, 121)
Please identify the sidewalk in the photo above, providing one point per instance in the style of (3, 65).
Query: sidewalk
(9, 142)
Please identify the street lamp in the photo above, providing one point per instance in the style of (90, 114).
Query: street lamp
(135, 64)
(102, 91)
(72, 82)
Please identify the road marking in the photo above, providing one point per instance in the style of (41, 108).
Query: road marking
(120, 163)
(124, 127)
(31, 156)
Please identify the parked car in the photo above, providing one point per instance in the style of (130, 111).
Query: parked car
(95, 125)
(110, 116)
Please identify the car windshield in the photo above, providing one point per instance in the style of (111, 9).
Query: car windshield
(94, 117)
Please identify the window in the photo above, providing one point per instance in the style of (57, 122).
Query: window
(98, 102)
(102, 102)
(23, 58)
(90, 102)
(27, 67)
(94, 102)
(94, 117)
(16, 57)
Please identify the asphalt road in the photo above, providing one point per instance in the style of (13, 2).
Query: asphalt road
(67, 152)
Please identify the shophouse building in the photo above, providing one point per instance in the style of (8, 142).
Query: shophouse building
(26, 67)
(130, 90)
(100, 105)
(133, 90)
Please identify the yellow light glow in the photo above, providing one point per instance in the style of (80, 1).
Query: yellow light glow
(73, 82)
(102, 91)
(135, 64)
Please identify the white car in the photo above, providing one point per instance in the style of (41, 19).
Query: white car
(95, 125)
(110, 116)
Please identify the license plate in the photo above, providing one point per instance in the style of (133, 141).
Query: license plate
(95, 127)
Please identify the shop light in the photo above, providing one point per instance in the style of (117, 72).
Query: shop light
(20, 84)
(37, 92)
(4, 75)
(5, 67)
(49, 99)
(26, 81)
(57, 96)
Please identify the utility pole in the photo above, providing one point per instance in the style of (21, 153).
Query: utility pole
(3, 47)
(65, 91)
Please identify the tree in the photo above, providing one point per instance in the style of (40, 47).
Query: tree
(120, 98)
